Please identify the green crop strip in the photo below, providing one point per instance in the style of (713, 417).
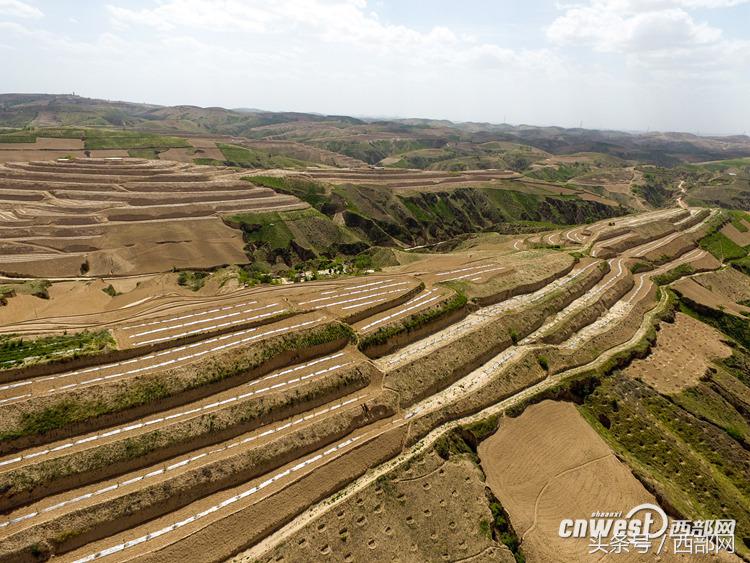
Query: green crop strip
(143, 391)
(722, 247)
(16, 351)
(384, 334)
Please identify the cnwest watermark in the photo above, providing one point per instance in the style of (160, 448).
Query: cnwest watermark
(646, 529)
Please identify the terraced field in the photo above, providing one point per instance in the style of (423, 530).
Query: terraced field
(115, 216)
(227, 422)
(406, 179)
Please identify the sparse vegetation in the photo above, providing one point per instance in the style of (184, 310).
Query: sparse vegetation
(413, 322)
(657, 186)
(731, 325)
(192, 280)
(503, 530)
(560, 173)
(465, 439)
(37, 288)
(307, 190)
(67, 410)
(294, 237)
(697, 465)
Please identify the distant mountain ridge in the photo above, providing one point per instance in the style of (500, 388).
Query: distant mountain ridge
(356, 137)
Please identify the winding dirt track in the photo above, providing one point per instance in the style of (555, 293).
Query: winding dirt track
(382, 299)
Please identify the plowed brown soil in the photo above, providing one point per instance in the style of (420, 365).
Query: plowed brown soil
(549, 464)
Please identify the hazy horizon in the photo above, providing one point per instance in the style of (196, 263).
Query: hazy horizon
(365, 117)
(627, 65)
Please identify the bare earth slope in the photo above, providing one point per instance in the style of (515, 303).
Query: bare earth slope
(115, 216)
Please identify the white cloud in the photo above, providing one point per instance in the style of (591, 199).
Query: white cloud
(326, 22)
(18, 9)
(639, 6)
(614, 26)
(12, 27)
(687, 4)
(660, 35)
(341, 56)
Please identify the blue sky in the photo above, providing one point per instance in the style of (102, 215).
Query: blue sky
(679, 65)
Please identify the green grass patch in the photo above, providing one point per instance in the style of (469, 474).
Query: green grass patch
(739, 220)
(150, 154)
(268, 228)
(208, 162)
(543, 362)
(722, 165)
(706, 401)
(251, 158)
(312, 192)
(18, 138)
(743, 265)
(60, 133)
(721, 247)
(16, 351)
(110, 139)
(674, 274)
(110, 290)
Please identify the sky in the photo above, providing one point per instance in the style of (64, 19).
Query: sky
(669, 65)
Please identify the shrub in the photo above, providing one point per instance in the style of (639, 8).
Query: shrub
(514, 336)
(640, 267)
(193, 280)
(110, 290)
(543, 362)
(485, 529)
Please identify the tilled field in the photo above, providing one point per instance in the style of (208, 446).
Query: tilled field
(217, 422)
(575, 472)
(114, 216)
